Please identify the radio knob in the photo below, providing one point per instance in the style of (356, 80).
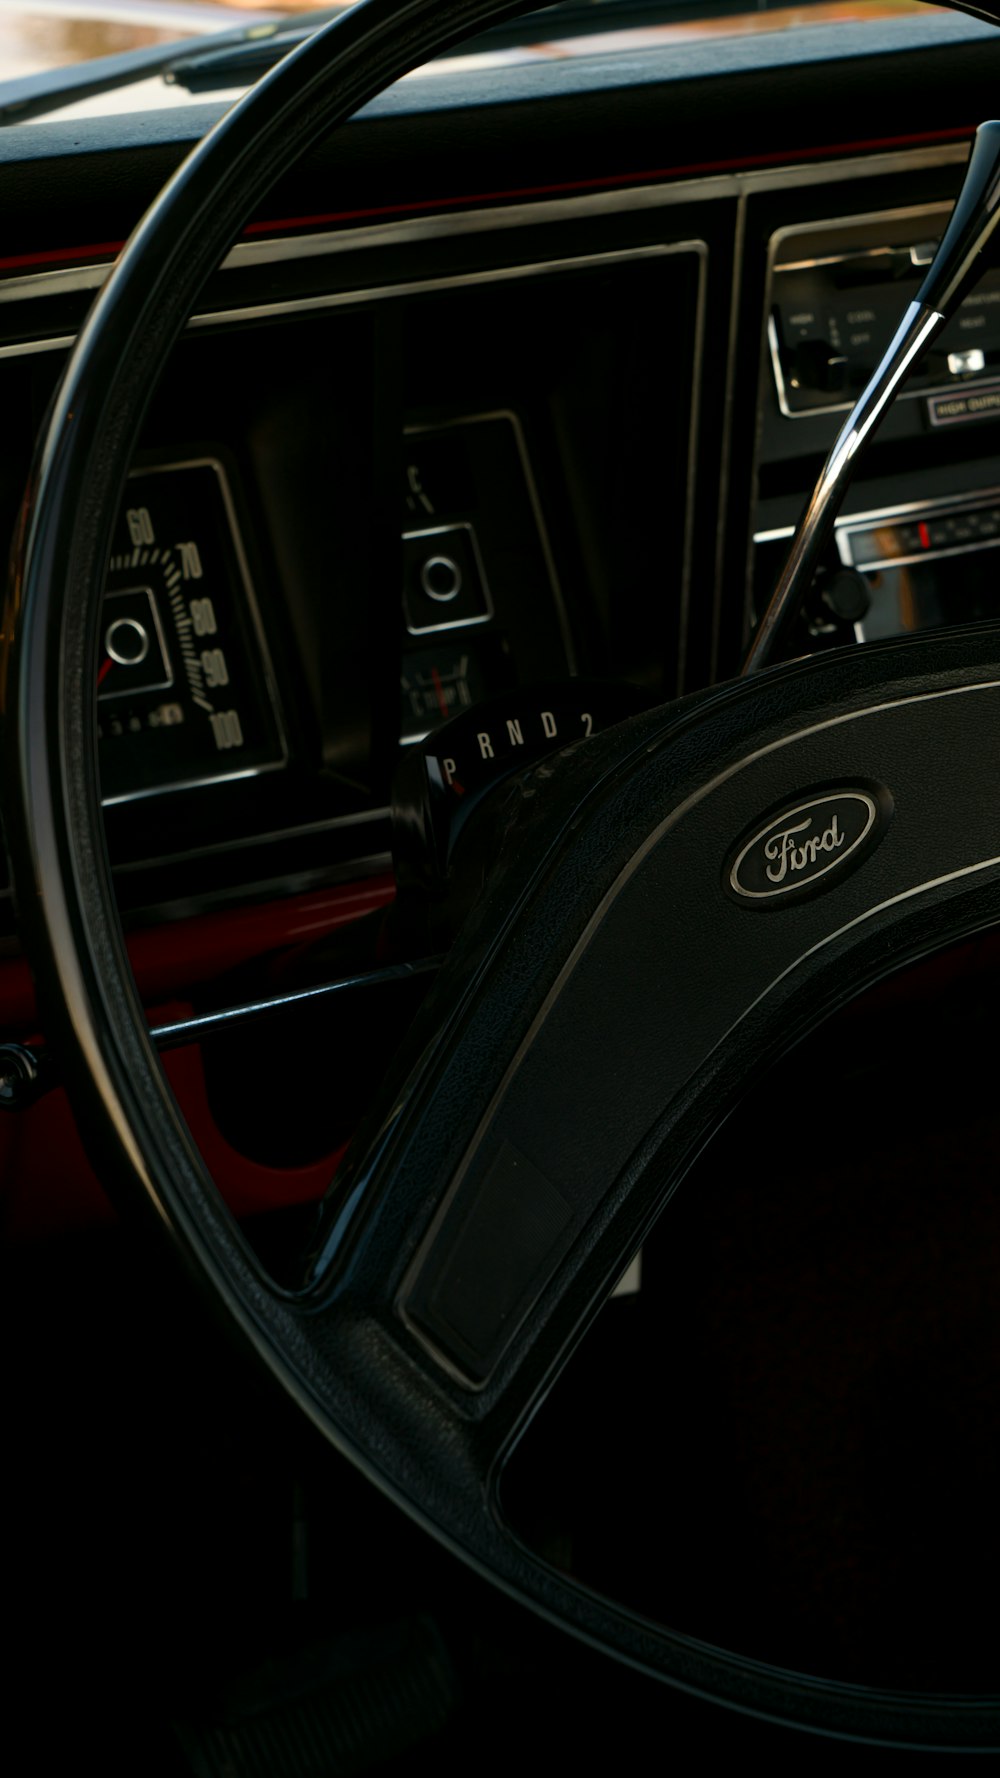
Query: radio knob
(847, 595)
(816, 364)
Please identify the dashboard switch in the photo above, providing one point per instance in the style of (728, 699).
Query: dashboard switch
(967, 363)
(816, 364)
(444, 583)
(847, 595)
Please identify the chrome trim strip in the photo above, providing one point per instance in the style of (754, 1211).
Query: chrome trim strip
(211, 1024)
(62, 281)
(698, 349)
(498, 219)
(788, 231)
(339, 299)
(809, 265)
(271, 836)
(877, 564)
(971, 501)
(774, 347)
(896, 160)
(63, 342)
(204, 783)
(728, 413)
(613, 202)
(407, 230)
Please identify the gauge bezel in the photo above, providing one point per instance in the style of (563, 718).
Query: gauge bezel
(225, 775)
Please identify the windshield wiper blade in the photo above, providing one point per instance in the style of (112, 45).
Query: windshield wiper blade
(216, 62)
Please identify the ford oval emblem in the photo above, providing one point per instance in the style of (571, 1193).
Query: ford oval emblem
(805, 843)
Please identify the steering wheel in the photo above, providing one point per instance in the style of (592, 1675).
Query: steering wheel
(678, 902)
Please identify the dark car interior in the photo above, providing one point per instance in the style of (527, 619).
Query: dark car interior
(486, 441)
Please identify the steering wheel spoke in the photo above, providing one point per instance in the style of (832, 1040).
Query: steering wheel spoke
(699, 892)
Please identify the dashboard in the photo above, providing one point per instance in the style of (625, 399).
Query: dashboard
(410, 463)
(499, 414)
(451, 426)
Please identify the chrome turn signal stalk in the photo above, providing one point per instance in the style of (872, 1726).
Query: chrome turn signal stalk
(953, 272)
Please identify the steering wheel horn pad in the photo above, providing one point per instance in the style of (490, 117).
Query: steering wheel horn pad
(608, 1002)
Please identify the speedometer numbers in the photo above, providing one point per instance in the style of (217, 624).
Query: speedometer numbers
(185, 693)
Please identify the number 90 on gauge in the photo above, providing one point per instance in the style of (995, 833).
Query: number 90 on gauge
(185, 692)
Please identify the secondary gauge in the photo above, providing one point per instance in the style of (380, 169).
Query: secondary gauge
(437, 684)
(184, 687)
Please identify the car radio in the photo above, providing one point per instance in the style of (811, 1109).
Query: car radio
(924, 564)
(915, 550)
(836, 301)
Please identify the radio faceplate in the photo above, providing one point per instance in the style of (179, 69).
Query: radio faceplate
(922, 533)
(926, 564)
(837, 294)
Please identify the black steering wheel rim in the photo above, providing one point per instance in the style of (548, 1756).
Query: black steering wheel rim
(421, 1435)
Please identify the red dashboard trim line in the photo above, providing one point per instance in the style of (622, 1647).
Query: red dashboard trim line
(612, 181)
(59, 255)
(617, 181)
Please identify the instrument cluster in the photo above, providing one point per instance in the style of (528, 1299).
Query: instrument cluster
(186, 691)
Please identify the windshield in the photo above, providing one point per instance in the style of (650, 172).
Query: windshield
(89, 57)
(36, 35)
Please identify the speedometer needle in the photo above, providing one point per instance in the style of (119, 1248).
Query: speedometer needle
(104, 669)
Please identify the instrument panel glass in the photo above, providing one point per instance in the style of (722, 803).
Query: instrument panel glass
(186, 693)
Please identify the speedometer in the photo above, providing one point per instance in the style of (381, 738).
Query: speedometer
(185, 689)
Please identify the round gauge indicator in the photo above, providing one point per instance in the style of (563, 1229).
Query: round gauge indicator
(185, 694)
(437, 684)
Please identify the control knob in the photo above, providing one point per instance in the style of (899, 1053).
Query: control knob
(816, 364)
